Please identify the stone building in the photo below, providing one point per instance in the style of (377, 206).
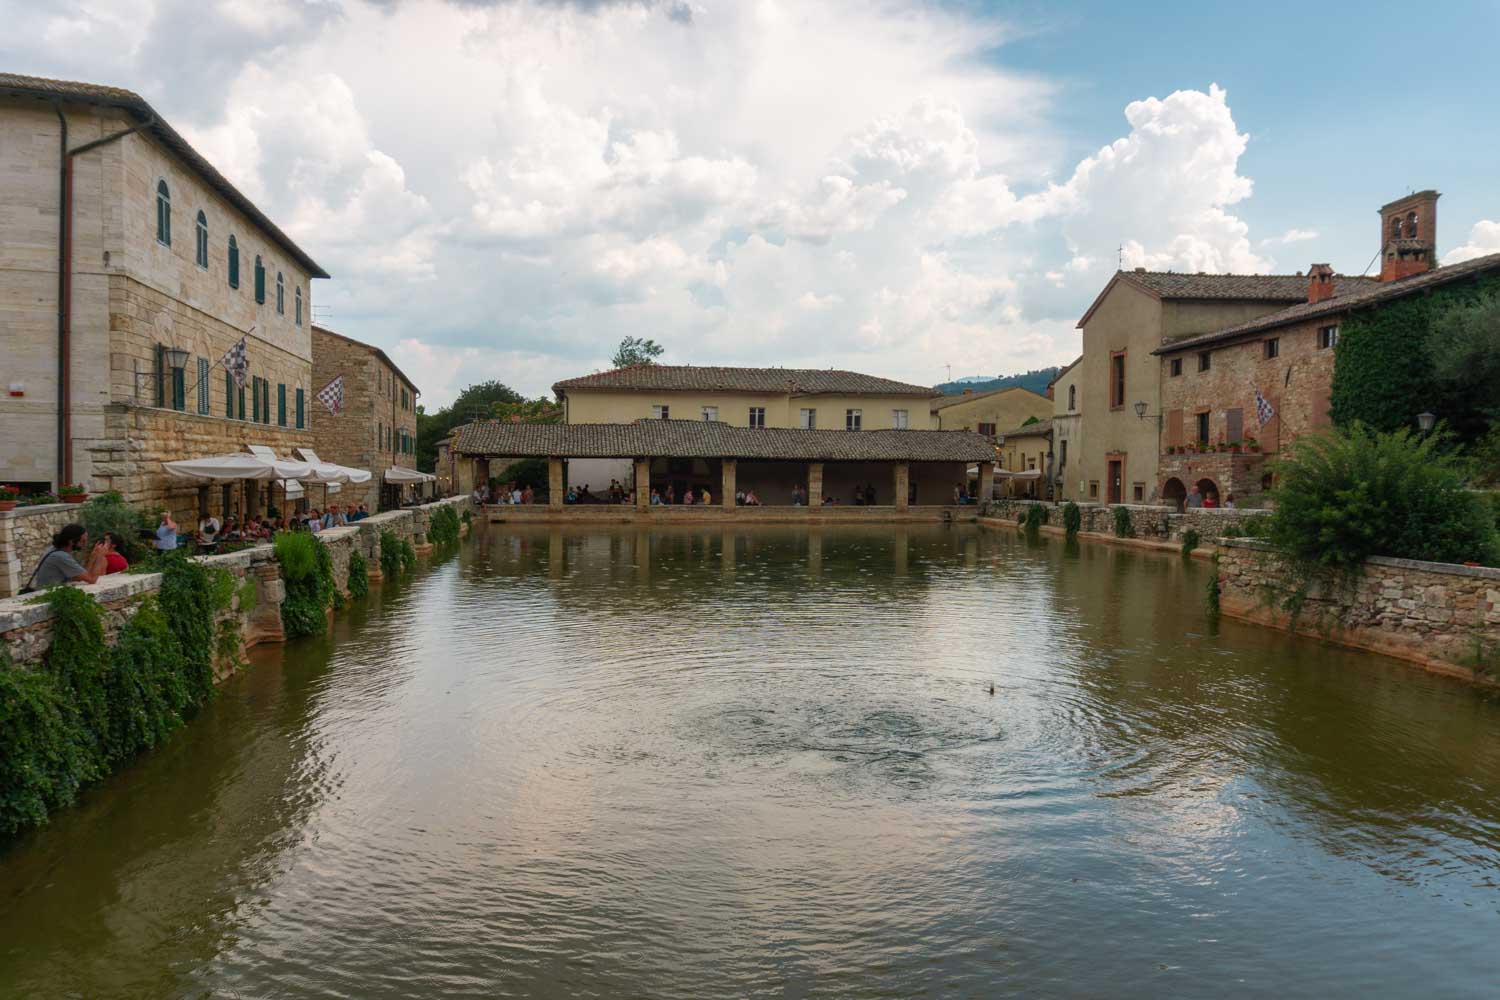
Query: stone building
(1028, 459)
(1119, 378)
(377, 427)
(809, 399)
(989, 413)
(1067, 431)
(128, 267)
(1213, 435)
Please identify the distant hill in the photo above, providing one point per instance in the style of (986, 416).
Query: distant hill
(1036, 381)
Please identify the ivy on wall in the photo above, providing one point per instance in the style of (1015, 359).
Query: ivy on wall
(442, 527)
(307, 575)
(359, 577)
(396, 555)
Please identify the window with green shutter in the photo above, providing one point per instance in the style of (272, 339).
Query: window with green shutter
(179, 388)
(201, 245)
(265, 406)
(300, 417)
(163, 214)
(260, 280)
(255, 399)
(234, 264)
(161, 374)
(203, 385)
(240, 391)
(229, 395)
(281, 404)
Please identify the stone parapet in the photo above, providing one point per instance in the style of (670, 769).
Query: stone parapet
(25, 533)
(1147, 521)
(714, 513)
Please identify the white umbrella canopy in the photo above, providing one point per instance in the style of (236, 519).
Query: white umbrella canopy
(221, 468)
(350, 475)
(398, 475)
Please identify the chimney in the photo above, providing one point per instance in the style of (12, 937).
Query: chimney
(1408, 235)
(1319, 283)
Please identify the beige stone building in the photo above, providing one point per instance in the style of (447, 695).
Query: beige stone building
(989, 413)
(809, 399)
(1067, 431)
(1119, 376)
(1027, 460)
(128, 266)
(377, 427)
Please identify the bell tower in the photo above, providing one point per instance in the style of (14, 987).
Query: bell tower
(1408, 235)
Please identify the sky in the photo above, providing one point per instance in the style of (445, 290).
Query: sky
(506, 188)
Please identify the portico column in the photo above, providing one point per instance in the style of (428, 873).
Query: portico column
(727, 467)
(815, 484)
(902, 485)
(986, 480)
(642, 483)
(554, 484)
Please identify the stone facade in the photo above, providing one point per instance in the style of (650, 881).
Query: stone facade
(377, 428)
(131, 294)
(1442, 616)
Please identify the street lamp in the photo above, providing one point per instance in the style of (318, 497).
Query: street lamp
(1426, 421)
(177, 357)
(1140, 409)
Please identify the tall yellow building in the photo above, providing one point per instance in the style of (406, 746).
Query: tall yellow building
(989, 413)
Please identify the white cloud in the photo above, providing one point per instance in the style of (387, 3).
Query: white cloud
(1289, 237)
(1484, 239)
(505, 190)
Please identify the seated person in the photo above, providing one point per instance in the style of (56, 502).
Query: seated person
(59, 564)
(114, 548)
(208, 529)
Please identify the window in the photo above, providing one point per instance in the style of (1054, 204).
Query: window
(808, 420)
(240, 391)
(898, 419)
(202, 249)
(281, 404)
(179, 388)
(1072, 397)
(1062, 453)
(1273, 347)
(265, 401)
(853, 419)
(280, 294)
(1411, 225)
(1395, 227)
(663, 412)
(234, 263)
(988, 430)
(1093, 489)
(1117, 379)
(300, 412)
(255, 399)
(710, 413)
(163, 214)
(1175, 366)
(757, 416)
(203, 367)
(1234, 425)
(260, 280)
(1328, 336)
(1139, 492)
(299, 306)
(1203, 427)
(229, 395)
(1205, 361)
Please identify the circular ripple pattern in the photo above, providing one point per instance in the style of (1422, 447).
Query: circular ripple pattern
(702, 763)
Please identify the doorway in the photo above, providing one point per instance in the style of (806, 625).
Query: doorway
(1117, 480)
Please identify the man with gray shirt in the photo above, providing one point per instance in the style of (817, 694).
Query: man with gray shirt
(60, 564)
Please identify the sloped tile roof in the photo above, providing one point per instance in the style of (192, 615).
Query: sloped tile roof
(1345, 298)
(947, 401)
(715, 439)
(796, 381)
(1220, 287)
(16, 85)
(1039, 429)
(371, 348)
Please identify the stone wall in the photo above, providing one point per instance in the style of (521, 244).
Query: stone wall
(1147, 521)
(716, 513)
(26, 630)
(25, 533)
(1443, 616)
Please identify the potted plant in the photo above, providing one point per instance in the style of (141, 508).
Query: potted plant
(1252, 445)
(39, 499)
(72, 493)
(1234, 447)
(8, 497)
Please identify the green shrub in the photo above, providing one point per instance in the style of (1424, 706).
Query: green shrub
(1350, 494)
(1072, 519)
(192, 595)
(442, 526)
(1123, 526)
(468, 517)
(75, 660)
(147, 689)
(359, 577)
(390, 554)
(307, 576)
(1214, 591)
(1036, 516)
(1190, 540)
(108, 512)
(43, 758)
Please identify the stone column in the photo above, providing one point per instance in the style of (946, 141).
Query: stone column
(555, 488)
(728, 470)
(642, 483)
(814, 484)
(986, 481)
(902, 485)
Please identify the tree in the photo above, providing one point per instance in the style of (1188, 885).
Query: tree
(1465, 352)
(528, 411)
(477, 402)
(637, 351)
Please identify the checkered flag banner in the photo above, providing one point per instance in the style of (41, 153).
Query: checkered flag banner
(237, 363)
(1263, 409)
(332, 395)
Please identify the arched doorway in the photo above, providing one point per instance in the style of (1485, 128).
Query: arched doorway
(1207, 486)
(1174, 493)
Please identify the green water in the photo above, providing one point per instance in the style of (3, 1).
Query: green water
(766, 763)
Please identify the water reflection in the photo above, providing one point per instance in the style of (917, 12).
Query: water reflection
(703, 762)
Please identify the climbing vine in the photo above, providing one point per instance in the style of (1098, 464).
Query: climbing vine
(1072, 520)
(396, 555)
(1036, 516)
(307, 576)
(1123, 526)
(359, 577)
(1190, 539)
(442, 526)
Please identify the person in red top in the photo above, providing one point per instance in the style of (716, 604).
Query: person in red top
(1212, 500)
(114, 562)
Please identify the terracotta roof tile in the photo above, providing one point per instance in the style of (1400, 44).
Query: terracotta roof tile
(15, 85)
(715, 439)
(1039, 429)
(1220, 287)
(797, 381)
(1365, 293)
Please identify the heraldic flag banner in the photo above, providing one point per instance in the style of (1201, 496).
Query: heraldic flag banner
(332, 395)
(237, 363)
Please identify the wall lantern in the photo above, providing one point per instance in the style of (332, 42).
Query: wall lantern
(177, 357)
(1426, 421)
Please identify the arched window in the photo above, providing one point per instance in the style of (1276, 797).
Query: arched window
(260, 280)
(1072, 397)
(1411, 225)
(234, 262)
(280, 294)
(163, 214)
(202, 250)
(298, 302)
(1395, 227)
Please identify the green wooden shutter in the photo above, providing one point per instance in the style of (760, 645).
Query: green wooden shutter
(202, 385)
(240, 391)
(179, 388)
(300, 417)
(281, 403)
(229, 395)
(234, 263)
(255, 399)
(260, 281)
(161, 375)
